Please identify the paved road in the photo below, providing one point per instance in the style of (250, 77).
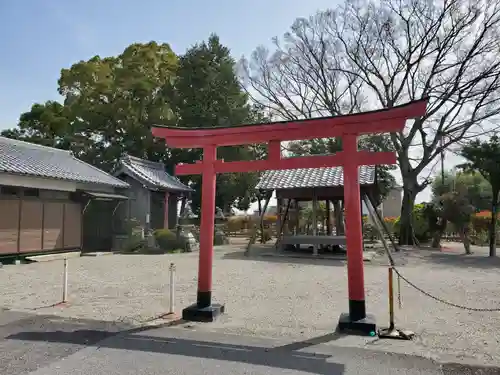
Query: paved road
(44, 345)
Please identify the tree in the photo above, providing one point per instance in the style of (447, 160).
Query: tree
(111, 103)
(207, 93)
(47, 124)
(475, 187)
(453, 207)
(109, 106)
(483, 157)
(368, 55)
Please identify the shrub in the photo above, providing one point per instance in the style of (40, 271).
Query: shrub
(166, 239)
(481, 221)
(268, 233)
(237, 223)
(369, 231)
(271, 219)
(480, 238)
(420, 223)
(389, 223)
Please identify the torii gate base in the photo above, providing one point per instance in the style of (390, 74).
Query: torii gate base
(348, 128)
(195, 313)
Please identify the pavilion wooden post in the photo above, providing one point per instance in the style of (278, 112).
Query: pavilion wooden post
(315, 220)
(328, 218)
(165, 210)
(182, 211)
(279, 211)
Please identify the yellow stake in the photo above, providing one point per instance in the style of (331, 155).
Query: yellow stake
(391, 301)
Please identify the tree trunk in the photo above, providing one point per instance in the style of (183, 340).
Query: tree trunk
(438, 234)
(339, 222)
(464, 236)
(406, 228)
(493, 224)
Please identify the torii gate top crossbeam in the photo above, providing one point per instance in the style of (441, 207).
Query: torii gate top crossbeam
(381, 121)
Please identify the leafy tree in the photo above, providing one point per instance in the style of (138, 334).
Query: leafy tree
(111, 103)
(450, 207)
(476, 188)
(207, 93)
(115, 100)
(109, 106)
(484, 157)
(367, 55)
(47, 124)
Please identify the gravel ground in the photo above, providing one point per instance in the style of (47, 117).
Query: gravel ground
(284, 298)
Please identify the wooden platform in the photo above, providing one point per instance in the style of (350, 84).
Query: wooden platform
(303, 239)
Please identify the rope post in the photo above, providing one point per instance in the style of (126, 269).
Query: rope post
(391, 299)
(65, 282)
(400, 303)
(172, 289)
(392, 332)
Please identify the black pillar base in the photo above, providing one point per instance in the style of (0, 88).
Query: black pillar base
(194, 313)
(357, 321)
(366, 326)
(203, 310)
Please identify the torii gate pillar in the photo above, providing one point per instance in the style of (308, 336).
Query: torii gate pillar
(356, 319)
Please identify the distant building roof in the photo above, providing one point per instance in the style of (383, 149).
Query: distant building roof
(30, 159)
(311, 177)
(151, 174)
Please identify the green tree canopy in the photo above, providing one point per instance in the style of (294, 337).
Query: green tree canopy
(207, 93)
(109, 105)
(473, 185)
(484, 157)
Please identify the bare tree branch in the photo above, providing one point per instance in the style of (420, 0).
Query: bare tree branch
(369, 55)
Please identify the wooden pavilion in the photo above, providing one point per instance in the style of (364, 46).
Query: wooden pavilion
(315, 185)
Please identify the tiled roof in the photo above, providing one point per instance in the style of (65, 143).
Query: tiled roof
(151, 173)
(311, 177)
(35, 160)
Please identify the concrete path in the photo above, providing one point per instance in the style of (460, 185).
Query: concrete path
(44, 345)
(21, 356)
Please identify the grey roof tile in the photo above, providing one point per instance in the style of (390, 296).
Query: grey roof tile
(311, 177)
(35, 160)
(152, 173)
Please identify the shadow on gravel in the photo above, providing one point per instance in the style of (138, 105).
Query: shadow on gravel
(459, 369)
(299, 345)
(284, 359)
(286, 258)
(462, 260)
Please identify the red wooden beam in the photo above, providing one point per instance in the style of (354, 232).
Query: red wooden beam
(274, 150)
(386, 120)
(320, 161)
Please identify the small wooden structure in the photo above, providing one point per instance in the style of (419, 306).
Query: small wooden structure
(294, 187)
(154, 194)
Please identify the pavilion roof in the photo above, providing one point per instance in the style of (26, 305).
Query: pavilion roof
(151, 174)
(311, 178)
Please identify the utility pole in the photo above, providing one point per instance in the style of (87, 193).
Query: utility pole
(441, 143)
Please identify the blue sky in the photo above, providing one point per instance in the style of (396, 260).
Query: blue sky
(39, 38)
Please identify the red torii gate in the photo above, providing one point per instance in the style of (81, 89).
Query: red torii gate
(348, 127)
